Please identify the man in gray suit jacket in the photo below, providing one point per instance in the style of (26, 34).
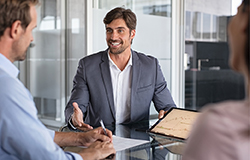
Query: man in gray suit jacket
(117, 85)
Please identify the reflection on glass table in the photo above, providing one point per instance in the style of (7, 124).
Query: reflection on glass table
(158, 147)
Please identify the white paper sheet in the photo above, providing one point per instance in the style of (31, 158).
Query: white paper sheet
(121, 143)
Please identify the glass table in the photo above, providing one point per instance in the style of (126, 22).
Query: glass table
(158, 147)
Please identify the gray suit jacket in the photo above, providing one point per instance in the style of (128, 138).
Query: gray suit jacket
(92, 89)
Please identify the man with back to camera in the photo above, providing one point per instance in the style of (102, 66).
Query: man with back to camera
(23, 136)
(117, 85)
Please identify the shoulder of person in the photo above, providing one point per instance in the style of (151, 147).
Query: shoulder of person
(9, 82)
(143, 56)
(94, 57)
(225, 107)
(228, 112)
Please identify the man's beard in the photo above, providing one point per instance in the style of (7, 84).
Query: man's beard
(24, 55)
(118, 50)
(20, 55)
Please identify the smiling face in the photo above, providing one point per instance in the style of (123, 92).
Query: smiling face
(21, 45)
(118, 36)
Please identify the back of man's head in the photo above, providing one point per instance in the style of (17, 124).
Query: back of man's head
(13, 10)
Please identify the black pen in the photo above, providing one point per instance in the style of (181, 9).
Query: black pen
(103, 127)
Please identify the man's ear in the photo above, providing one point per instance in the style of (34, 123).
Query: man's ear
(16, 29)
(133, 33)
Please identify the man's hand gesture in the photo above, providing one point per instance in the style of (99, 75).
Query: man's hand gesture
(77, 119)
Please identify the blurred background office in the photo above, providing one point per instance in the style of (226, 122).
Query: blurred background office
(189, 37)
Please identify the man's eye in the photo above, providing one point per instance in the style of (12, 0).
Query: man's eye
(109, 31)
(120, 31)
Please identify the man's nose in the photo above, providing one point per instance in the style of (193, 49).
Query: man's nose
(114, 35)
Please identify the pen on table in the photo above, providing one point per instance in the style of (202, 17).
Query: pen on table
(103, 127)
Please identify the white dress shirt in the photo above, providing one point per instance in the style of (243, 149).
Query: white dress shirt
(121, 83)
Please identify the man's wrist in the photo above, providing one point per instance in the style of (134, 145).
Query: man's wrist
(71, 124)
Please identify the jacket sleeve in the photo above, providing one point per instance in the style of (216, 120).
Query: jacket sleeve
(162, 97)
(79, 93)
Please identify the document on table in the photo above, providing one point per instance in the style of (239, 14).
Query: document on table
(121, 143)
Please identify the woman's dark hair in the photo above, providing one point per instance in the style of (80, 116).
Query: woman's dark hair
(246, 8)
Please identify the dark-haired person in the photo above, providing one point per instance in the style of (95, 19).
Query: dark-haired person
(117, 85)
(222, 132)
(22, 135)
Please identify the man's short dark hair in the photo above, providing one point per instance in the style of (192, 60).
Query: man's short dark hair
(126, 14)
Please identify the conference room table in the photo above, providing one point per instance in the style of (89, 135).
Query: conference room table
(157, 147)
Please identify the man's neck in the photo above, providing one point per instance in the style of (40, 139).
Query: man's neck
(121, 60)
(6, 45)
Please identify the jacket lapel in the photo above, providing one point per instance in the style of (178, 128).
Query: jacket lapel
(136, 70)
(106, 77)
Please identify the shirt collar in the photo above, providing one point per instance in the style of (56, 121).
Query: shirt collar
(111, 62)
(8, 66)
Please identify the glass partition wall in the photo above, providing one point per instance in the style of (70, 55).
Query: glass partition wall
(51, 63)
(208, 77)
